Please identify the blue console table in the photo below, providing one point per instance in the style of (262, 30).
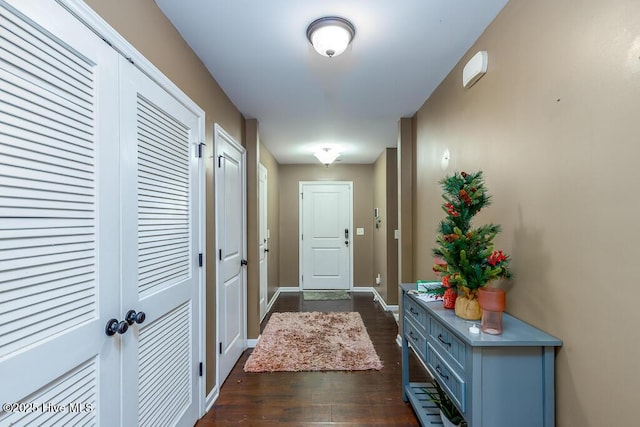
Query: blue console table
(495, 380)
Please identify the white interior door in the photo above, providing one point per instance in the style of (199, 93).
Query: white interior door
(231, 248)
(160, 247)
(59, 219)
(325, 235)
(263, 247)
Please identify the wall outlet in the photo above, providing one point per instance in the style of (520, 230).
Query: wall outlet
(378, 279)
(396, 234)
(359, 231)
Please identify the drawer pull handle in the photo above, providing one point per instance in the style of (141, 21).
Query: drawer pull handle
(412, 311)
(441, 339)
(415, 339)
(439, 371)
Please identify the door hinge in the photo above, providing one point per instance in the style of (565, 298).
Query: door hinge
(200, 369)
(302, 196)
(302, 278)
(200, 150)
(199, 260)
(220, 254)
(220, 348)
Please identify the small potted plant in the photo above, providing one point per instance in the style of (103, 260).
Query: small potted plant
(469, 261)
(449, 413)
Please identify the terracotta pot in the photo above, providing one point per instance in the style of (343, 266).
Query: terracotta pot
(492, 301)
(467, 306)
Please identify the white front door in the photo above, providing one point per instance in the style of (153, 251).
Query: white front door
(325, 235)
(263, 247)
(160, 248)
(231, 250)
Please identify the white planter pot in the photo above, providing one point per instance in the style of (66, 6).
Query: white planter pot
(446, 422)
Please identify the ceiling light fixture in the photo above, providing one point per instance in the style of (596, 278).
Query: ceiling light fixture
(330, 35)
(327, 155)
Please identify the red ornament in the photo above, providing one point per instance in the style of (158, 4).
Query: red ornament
(445, 282)
(496, 257)
(449, 298)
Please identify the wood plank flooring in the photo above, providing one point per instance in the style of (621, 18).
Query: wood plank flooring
(335, 398)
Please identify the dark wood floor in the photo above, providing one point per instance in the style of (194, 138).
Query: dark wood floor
(359, 398)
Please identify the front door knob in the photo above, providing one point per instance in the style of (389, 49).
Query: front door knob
(133, 317)
(113, 327)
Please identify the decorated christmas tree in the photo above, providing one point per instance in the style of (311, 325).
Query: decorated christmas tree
(469, 260)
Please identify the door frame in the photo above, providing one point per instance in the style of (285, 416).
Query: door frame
(218, 131)
(301, 186)
(263, 208)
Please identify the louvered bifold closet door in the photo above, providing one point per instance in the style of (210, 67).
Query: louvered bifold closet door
(160, 253)
(58, 218)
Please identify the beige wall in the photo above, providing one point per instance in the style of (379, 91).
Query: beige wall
(362, 177)
(554, 125)
(252, 145)
(385, 246)
(406, 182)
(144, 26)
(273, 218)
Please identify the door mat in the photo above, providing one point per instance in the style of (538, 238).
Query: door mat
(314, 341)
(325, 296)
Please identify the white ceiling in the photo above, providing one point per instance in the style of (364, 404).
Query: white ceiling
(258, 52)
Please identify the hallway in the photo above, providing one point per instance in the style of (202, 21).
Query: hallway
(362, 398)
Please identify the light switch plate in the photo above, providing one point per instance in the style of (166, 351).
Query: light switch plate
(360, 231)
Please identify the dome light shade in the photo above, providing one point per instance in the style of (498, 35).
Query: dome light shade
(327, 155)
(330, 35)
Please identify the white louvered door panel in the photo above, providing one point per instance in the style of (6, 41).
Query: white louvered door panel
(160, 253)
(59, 215)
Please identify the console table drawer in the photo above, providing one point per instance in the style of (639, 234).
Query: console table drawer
(415, 338)
(448, 342)
(450, 380)
(415, 312)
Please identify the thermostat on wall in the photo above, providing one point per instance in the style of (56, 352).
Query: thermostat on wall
(475, 68)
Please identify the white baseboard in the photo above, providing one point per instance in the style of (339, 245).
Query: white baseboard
(383, 303)
(211, 399)
(251, 343)
(274, 298)
(290, 289)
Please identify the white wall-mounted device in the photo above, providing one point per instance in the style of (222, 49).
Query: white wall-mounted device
(444, 161)
(475, 68)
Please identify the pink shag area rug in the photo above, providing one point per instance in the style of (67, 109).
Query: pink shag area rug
(314, 341)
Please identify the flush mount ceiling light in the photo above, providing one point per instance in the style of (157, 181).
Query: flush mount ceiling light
(327, 155)
(330, 35)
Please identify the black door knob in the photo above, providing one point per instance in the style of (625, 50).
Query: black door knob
(243, 262)
(266, 250)
(113, 327)
(133, 317)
